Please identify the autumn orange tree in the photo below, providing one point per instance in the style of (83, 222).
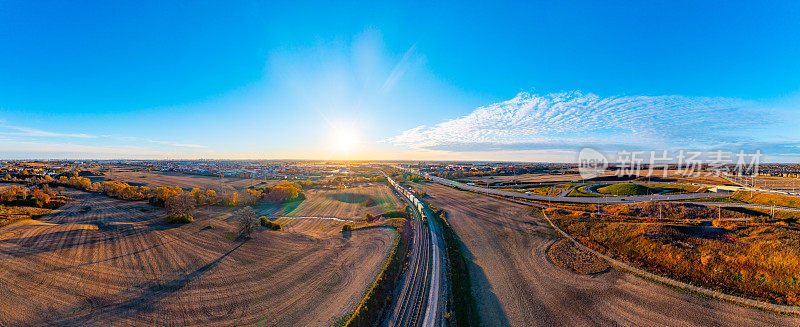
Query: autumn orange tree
(285, 191)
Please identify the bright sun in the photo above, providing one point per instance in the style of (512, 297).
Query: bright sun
(344, 141)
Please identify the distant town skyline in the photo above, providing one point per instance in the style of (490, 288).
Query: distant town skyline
(532, 82)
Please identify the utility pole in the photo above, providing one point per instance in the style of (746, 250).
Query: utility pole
(598, 206)
(773, 210)
(514, 169)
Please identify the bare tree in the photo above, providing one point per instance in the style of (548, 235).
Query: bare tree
(182, 203)
(247, 221)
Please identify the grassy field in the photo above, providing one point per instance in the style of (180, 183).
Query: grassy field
(677, 188)
(350, 203)
(579, 191)
(550, 190)
(102, 261)
(626, 189)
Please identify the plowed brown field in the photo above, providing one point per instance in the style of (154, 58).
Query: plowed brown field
(185, 181)
(101, 261)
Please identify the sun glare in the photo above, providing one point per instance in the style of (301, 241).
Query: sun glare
(344, 141)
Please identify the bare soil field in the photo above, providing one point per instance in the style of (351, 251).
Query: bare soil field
(185, 181)
(516, 285)
(350, 203)
(101, 261)
(567, 255)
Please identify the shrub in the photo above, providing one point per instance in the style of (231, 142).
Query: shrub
(369, 217)
(180, 218)
(369, 202)
(269, 223)
(347, 227)
(396, 214)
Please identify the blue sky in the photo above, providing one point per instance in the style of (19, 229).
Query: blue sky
(458, 80)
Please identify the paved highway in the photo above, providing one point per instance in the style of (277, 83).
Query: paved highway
(562, 198)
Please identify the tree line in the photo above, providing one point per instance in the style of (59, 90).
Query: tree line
(39, 196)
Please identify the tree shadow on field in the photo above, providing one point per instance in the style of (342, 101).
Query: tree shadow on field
(488, 305)
(121, 255)
(352, 198)
(290, 206)
(147, 299)
(53, 241)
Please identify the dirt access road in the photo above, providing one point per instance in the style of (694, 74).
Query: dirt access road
(516, 284)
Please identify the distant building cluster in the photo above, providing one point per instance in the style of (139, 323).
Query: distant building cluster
(779, 170)
(219, 168)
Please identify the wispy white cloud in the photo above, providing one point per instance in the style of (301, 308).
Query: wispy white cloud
(410, 57)
(27, 141)
(573, 119)
(27, 131)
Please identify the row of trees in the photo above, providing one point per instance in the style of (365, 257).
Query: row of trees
(40, 196)
(284, 191)
(180, 204)
(341, 182)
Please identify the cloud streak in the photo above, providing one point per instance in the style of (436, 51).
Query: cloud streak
(19, 141)
(27, 131)
(570, 120)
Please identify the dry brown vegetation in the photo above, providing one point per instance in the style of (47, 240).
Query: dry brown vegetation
(18, 202)
(757, 260)
(654, 210)
(567, 255)
(767, 199)
(10, 214)
(102, 261)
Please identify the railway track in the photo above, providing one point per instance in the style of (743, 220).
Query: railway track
(415, 305)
